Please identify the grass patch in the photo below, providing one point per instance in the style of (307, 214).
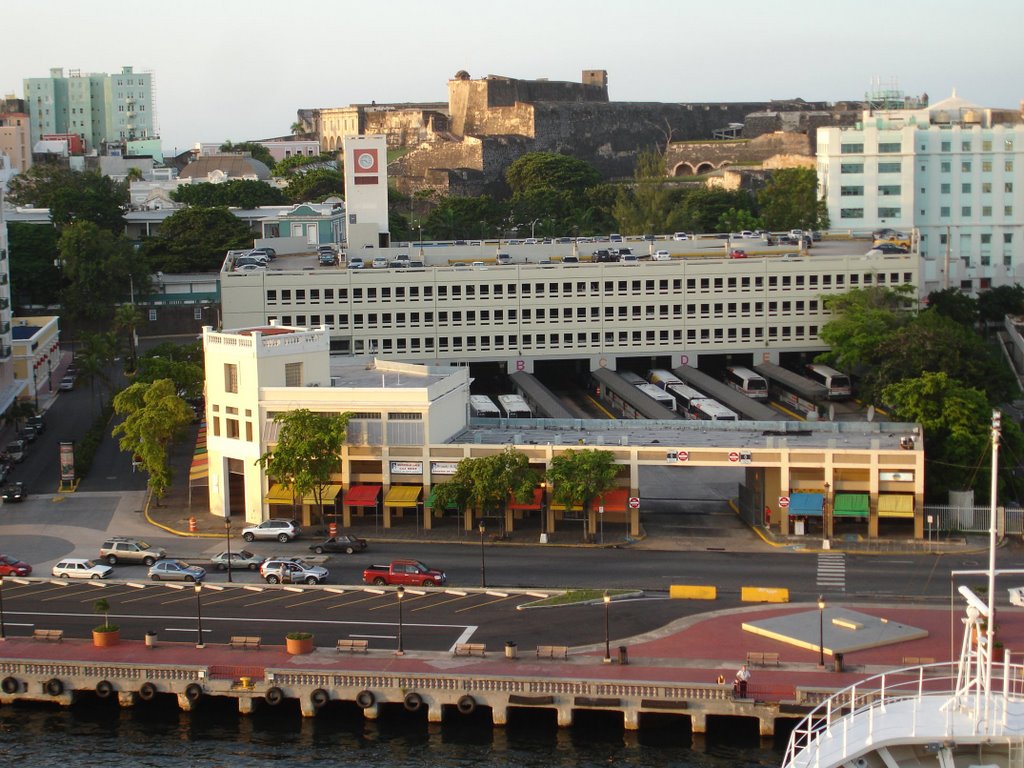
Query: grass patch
(580, 596)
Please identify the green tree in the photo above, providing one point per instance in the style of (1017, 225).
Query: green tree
(549, 170)
(995, 303)
(578, 476)
(72, 196)
(646, 206)
(95, 362)
(307, 453)
(35, 277)
(127, 318)
(862, 320)
(237, 193)
(153, 416)
(790, 200)
(486, 483)
(737, 220)
(289, 166)
(315, 186)
(196, 240)
(459, 217)
(177, 363)
(700, 210)
(954, 304)
(255, 150)
(99, 269)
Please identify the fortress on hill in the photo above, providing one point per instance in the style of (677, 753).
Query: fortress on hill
(464, 146)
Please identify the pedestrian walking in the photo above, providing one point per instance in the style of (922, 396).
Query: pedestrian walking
(742, 678)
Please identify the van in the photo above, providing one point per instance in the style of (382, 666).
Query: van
(504, 258)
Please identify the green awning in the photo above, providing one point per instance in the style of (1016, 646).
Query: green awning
(429, 503)
(851, 505)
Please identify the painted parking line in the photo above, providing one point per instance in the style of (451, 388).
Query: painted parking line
(484, 604)
(458, 598)
(405, 601)
(314, 597)
(282, 595)
(111, 596)
(372, 597)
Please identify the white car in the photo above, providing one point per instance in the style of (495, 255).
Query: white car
(379, 263)
(661, 256)
(680, 236)
(79, 568)
(249, 267)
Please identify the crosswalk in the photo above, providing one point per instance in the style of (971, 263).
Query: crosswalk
(832, 572)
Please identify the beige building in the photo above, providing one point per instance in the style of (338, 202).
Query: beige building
(16, 141)
(36, 354)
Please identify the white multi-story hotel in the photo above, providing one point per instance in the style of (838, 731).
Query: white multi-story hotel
(953, 171)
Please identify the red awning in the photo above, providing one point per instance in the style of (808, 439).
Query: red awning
(538, 495)
(615, 500)
(362, 496)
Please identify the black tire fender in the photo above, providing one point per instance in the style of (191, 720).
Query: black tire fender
(10, 685)
(54, 687)
(274, 696)
(104, 689)
(147, 691)
(194, 692)
(319, 698)
(412, 702)
(365, 699)
(466, 704)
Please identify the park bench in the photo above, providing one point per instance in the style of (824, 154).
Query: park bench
(245, 642)
(762, 658)
(552, 651)
(50, 635)
(353, 646)
(470, 649)
(916, 661)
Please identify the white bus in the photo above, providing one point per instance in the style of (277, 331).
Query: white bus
(632, 378)
(712, 410)
(837, 384)
(483, 407)
(746, 381)
(658, 394)
(514, 407)
(662, 378)
(685, 396)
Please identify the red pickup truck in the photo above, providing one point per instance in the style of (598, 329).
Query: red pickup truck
(406, 572)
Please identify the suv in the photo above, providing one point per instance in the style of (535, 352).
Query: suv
(282, 529)
(289, 571)
(328, 259)
(120, 549)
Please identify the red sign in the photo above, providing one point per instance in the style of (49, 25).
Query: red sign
(734, 456)
(634, 502)
(682, 455)
(783, 501)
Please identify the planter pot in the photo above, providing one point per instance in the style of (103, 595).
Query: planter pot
(106, 639)
(296, 647)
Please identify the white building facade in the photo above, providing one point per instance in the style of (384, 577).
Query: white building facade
(952, 173)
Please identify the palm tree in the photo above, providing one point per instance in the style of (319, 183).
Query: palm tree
(127, 317)
(298, 128)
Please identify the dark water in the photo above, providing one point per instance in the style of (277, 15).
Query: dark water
(93, 733)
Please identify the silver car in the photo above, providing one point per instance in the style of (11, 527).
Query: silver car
(176, 570)
(239, 560)
(79, 568)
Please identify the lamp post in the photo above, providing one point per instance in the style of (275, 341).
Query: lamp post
(400, 593)
(821, 631)
(607, 639)
(419, 227)
(825, 517)
(227, 542)
(3, 629)
(199, 614)
(533, 226)
(483, 564)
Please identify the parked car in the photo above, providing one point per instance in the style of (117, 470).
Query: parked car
(67, 383)
(661, 256)
(327, 259)
(886, 248)
(504, 258)
(16, 450)
(119, 549)
(407, 572)
(737, 253)
(284, 571)
(241, 560)
(249, 268)
(37, 423)
(282, 529)
(80, 568)
(176, 570)
(355, 262)
(680, 236)
(379, 263)
(628, 258)
(12, 566)
(344, 543)
(14, 492)
(570, 259)
(28, 434)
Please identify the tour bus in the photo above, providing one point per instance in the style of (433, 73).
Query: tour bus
(837, 384)
(685, 396)
(662, 378)
(514, 407)
(483, 407)
(658, 394)
(712, 410)
(746, 381)
(632, 378)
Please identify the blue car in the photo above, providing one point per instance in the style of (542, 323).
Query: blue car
(176, 570)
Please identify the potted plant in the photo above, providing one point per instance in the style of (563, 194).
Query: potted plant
(105, 634)
(299, 642)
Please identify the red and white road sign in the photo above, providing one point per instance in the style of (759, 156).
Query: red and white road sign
(734, 456)
(783, 501)
(634, 502)
(682, 455)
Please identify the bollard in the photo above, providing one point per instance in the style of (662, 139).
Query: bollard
(193, 526)
(332, 529)
(838, 666)
(623, 655)
(511, 652)
(151, 639)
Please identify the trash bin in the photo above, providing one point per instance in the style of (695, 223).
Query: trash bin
(151, 639)
(511, 651)
(623, 655)
(838, 666)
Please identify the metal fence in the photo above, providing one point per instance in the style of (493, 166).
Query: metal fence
(961, 519)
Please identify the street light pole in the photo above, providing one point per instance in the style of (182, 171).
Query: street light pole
(420, 228)
(825, 518)
(3, 629)
(821, 631)
(483, 564)
(199, 614)
(533, 225)
(227, 541)
(400, 593)
(607, 640)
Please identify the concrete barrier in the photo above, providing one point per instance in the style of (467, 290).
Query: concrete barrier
(764, 595)
(692, 592)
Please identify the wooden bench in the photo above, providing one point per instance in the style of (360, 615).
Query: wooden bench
(354, 646)
(916, 661)
(762, 658)
(470, 649)
(552, 651)
(245, 642)
(50, 635)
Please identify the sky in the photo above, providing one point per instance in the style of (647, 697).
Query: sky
(239, 69)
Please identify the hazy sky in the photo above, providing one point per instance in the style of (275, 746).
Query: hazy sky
(234, 69)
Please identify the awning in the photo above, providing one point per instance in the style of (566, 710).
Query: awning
(431, 501)
(851, 505)
(615, 500)
(806, 504)
(362, 496)
(561, 507)
(534, 503)
(404, 496)
(896, 505)
(281, 494)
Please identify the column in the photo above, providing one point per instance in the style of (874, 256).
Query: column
(434, 713)
(126, 698)
(183, 703)
(372, 712)
(245, 705)
(564, 716)
(631, 718)
(499, 715)
(698, 723)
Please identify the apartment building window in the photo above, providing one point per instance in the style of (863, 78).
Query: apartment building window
(851, 149)
(851, 191)
(986, 166)
(231, 378)
(293, 374)
(1008, 186)
(965, 210)
(986, 145)
(1007, 210)
(889, 189)
(1008, 144)
(889, 167)
(851, 167)
(946, 146)
(888, 147)
(851, 213)
(944, 189)
(986, 187)
(965, 146)
(965, 188)
(232, 428)
(888, 213)
(965, 166)
(945, 166)
(986, 210)
(944, 213)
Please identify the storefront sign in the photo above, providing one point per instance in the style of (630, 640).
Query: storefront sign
(900, 477)
(406, 467)
(443, 467)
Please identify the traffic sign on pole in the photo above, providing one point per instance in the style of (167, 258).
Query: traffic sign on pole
(783, 501)
(734, 456)
(634, 502)
(682, 455)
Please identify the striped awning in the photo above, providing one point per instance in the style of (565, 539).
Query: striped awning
(851, 505)
(806, 504)
(362, 496)
(896, 505)
(532, 503)
(403, 496)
